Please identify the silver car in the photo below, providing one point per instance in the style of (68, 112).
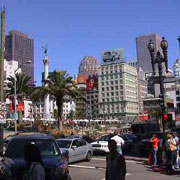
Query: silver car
(78, 149)
(111, 56)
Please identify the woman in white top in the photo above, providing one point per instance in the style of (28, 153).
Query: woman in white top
(115, 163)
(35, 168)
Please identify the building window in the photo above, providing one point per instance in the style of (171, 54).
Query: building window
(102, 89)
(112, 83)
(107, 94)
(112, 88)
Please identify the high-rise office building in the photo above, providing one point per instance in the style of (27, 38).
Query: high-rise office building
(143, 55)
(88, 66)
(19, 47)
(88, 74)
(118, 91)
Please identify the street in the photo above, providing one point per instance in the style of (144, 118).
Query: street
(95, 170)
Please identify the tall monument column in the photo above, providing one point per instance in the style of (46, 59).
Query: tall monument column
(46, 73)
(2, 55)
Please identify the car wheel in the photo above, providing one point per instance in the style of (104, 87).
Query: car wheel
(113, 58)
(88, 156)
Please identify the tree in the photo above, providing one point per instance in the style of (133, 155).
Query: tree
(23, 88)
(61, 87)
(155, 113)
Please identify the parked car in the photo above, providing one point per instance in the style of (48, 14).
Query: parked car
(77, 148)
(85, 137)
(131, 137)
(101, 146)
(6, 141)
(145, 145)
(51, 156)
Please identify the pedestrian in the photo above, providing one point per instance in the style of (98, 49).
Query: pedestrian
(164, 155)
(176, 142)
(119, 141)
(154, 143)
(115, 163)
(170, 147)
(34, 165)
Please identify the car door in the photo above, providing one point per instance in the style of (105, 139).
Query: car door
(73, 151)
(82, 149)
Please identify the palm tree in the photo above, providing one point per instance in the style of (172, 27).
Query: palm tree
(61, 87)
(23, 88)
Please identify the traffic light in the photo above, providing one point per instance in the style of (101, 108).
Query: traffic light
(161, 101)
(165, 117)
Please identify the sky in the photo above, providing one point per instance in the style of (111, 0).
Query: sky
(73, 29)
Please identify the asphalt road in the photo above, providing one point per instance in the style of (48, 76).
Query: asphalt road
(95, 170)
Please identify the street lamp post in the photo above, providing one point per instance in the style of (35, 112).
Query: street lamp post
(159, 59)
(15, 119)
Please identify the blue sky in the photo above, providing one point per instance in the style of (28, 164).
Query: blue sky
(73, 29)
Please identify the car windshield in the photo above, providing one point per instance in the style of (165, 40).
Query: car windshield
(64, 143)
(47, 147)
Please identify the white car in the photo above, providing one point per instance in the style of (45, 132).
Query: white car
(102, 144)
(78, 149)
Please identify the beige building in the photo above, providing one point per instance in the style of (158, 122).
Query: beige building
(118, 91)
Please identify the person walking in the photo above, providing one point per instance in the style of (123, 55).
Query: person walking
(176, 154)
(119, 141)
(34, 165)
(115, 163)
(170, 147)
(154, 142)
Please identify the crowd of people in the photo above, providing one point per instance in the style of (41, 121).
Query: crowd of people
(165, 151)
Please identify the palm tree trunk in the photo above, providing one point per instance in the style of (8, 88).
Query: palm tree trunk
(59, 106)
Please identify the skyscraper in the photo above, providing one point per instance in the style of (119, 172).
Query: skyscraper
(19, 47)
(88, 66)
(88, 76)
(143, 55)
